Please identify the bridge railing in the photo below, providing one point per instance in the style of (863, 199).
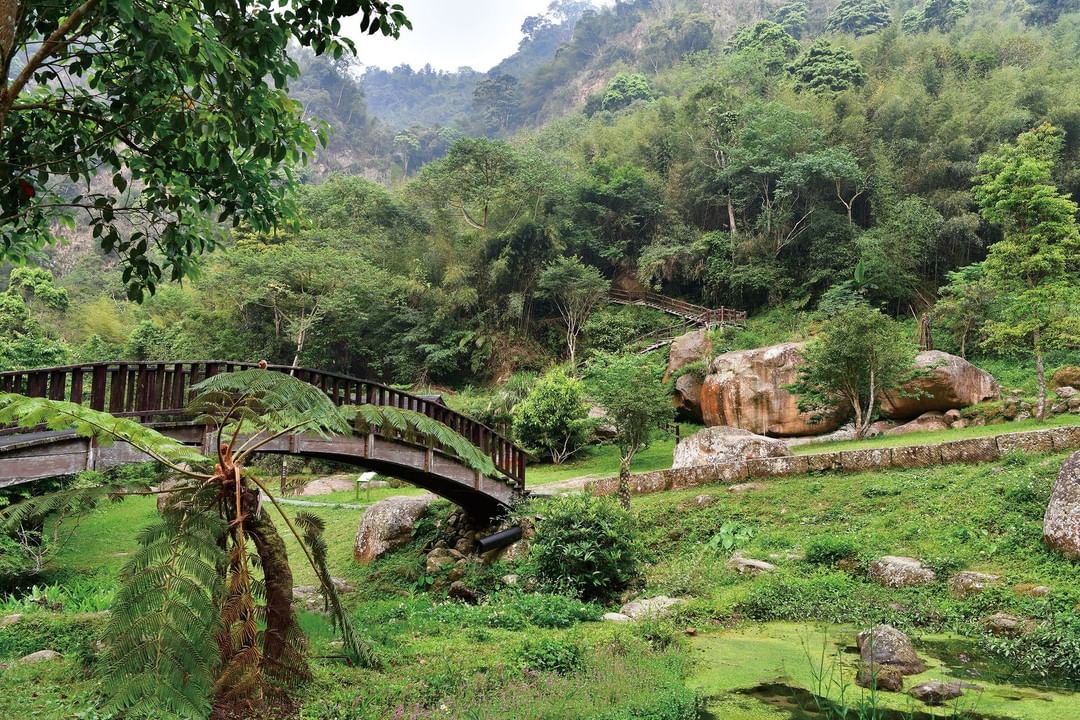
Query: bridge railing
(155, 391)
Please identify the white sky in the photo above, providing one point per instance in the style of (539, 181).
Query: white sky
(450, 34)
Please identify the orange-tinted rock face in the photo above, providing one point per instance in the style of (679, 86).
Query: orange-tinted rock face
(952, 383)
(745, 389)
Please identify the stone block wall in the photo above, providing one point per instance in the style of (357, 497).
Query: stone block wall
(971, 450)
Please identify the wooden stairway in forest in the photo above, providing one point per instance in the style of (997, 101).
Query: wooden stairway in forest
(693, 314)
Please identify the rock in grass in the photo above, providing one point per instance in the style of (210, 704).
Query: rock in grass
(1031, 590)
(885, 645)
(1061, 522)
(10, 619)
(966, 583)
(881, 677)
(39, 657)
(723, 445)
(387, 525)
(461, 591)
(614, 617)
(656, 607)
(1005, 625)
(749, 566)
(938, 692)
(898, 571)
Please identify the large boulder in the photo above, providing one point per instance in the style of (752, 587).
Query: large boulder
(723, 445)
(747, 389)
(1068, 376)
(687, 349)
(687, 398)
(951, 382)
(1061, 523)
(387, 525)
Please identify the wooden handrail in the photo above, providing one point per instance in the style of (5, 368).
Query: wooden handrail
(152, 390)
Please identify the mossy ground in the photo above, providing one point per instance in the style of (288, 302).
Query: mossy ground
(821, 658)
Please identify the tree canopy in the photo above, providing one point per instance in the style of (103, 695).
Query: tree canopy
(183, 107)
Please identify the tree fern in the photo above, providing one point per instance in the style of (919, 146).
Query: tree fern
(270, 401)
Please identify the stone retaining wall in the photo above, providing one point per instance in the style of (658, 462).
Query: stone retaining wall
(972, 450)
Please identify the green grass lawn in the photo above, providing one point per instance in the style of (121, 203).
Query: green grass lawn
(603, 461)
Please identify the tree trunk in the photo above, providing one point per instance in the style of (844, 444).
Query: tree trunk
(277, 575)
(624, 482)
(731, 214)
(1040, 373)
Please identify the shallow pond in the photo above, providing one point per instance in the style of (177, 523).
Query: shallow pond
(786, 671)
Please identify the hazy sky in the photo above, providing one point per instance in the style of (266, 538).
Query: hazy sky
(451, 33)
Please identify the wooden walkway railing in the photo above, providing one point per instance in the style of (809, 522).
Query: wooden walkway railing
(697, 314)
(159, 391)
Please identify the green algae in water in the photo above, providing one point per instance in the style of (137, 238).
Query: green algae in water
(762, 672)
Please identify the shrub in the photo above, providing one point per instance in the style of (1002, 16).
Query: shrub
(553, 419)
(15, 565)
(73, 635)
(1052, 649)
(828, 549)
(670, 704)
(562, 656)
(586, 546)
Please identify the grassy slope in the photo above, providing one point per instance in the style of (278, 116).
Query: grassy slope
(929, 438)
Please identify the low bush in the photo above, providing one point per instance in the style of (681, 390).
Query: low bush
(586, 546)
(1052, 649)
(829, 549)
(669, 704)
(68, 634)
(560, 656)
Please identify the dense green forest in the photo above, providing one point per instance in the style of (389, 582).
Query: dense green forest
(759, 169)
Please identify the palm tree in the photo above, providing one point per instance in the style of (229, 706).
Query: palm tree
(203, 617)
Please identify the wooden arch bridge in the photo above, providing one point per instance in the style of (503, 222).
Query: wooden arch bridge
(156, 394)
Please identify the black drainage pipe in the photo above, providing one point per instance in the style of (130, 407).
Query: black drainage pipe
(499, 540)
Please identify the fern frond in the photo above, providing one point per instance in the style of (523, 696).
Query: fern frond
(62, 415)
(358, 649)
(270, 400)
(414, 424)
(160, 636)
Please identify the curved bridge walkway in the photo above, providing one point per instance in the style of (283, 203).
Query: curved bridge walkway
(156, 394)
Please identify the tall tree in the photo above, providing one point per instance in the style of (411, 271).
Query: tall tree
(636, 404)
(827, 68)
(182, 106)
(496, 99)
(576, 290)
(1035, 265)
(859, 355)
(859, 17)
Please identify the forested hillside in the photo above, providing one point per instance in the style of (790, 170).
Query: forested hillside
(829, 153)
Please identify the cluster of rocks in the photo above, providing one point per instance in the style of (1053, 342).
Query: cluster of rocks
(388, 525)
(887, 655)
(747, 389)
